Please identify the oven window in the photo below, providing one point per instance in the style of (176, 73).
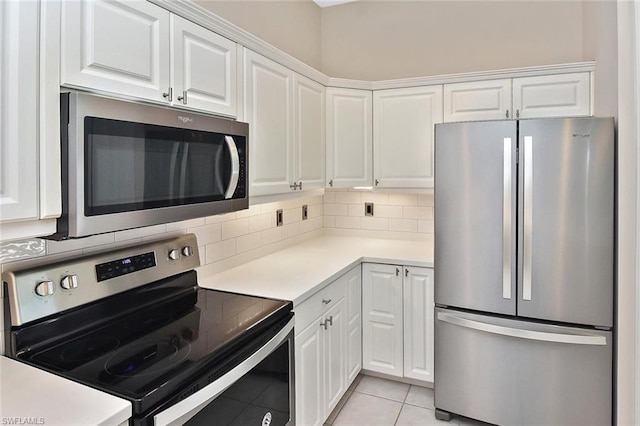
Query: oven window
(263, 393)
(133, 166)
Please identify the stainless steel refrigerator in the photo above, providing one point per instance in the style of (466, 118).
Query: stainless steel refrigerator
(524, 271)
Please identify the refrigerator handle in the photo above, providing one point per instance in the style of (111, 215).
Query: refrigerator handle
(506, 219)
(574, 339)
(528, 218)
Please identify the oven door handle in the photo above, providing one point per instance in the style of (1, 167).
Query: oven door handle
(235, 166)
(179, 413)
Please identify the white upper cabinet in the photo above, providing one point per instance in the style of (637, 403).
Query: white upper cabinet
(268, 108)
(558, 95)
(478, 100)
(140, 50)
(562, 95)
(29, 169)
(204, 64)
(309, 127)
(349, 138)
(403, 133)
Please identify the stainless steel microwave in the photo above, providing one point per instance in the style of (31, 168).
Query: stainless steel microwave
(127, 165)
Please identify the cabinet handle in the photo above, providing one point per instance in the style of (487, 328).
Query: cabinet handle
(377, 182)
(300, 185)
(517, 113)
(329, 320)
(397, 271)
(507, 114)
(294, 186)
(331, 182)
(168, 95)
(406, 272)
(183, 98)
(326, 301)
(324, 324)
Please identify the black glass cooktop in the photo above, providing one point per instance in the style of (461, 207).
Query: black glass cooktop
(146, 345)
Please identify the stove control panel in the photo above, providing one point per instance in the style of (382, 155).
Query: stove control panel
(49, 288)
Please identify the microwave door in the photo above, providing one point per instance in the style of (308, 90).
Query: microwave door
(235, 166)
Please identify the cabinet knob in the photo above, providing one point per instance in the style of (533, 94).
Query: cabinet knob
(377, 182)
(397, 271)
(168, 95)
(331, 182)
(406, 272)
(507, 115)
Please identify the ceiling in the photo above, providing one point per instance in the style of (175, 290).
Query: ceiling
(327, 3)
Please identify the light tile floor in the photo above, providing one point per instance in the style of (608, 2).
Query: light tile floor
(372, 401)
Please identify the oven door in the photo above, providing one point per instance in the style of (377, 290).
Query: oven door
(258, 391)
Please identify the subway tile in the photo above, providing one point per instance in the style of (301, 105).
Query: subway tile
(262, 222)
(349, 197)
(202, 254)
(425, 200)
(292, 215)
(336, 209)
(55, 247)
(235, 228)
(403, 199)
(207, 234)
(271, 235)
(131, 234)
(185, 224)
(221, 250)
(220, 218)
(426, 226)
(329, 221)
(375, 223)
(375, 197)
(383, 210)
(315, 210)
(311, 224)
(249, 242)
(251, 211)
(410, 212)
(290, 230)
(356, 209)
(403, 225)
(348, 222)
(329, 197)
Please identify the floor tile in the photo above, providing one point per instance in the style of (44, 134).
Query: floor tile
(411, 415)
(336, 410)
(420, 396)
(369, 410)
(383, 388)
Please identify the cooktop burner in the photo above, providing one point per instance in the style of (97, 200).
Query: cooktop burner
(87, 349)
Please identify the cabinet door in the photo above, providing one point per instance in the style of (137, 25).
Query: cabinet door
(334, 356)
(349, 138)
(309, 132)
(269, 111)
(382, 319)
(309, 369)
(418, 323)
(204, 68)
(116, 46)
(562, 95)
(403, 131)
(18, 111)
(477, 100)
(353, 282)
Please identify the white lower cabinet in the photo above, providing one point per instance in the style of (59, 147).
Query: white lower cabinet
(397, 321)
(324, 348)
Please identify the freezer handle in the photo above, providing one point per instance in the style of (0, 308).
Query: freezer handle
(527, 218)
(542, 336)
(506, 220)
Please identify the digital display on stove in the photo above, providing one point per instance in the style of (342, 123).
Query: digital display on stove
(117, 268)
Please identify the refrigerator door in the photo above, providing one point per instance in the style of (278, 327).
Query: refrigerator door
(513, 372)
(567, 220)
(475, 216)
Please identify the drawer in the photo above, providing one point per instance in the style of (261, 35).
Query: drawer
(315, 306)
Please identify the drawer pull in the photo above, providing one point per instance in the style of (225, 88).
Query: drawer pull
(324, 324)
(329, 320)
(326, 301)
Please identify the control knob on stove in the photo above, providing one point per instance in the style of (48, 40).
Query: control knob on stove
(187, 251)
(174, 254)
(69, 282)
(44, 288)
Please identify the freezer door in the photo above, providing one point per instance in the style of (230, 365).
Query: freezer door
(511, 372)
(567, 220)
(475, 216)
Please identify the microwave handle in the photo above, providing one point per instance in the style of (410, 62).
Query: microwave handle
(235, 166)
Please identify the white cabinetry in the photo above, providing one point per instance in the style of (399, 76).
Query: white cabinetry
(29, 168)
(349, 138)
(397, 320)
(403, 132)
(558, 95)
(323, 352)
(286, 115)
(139, 50)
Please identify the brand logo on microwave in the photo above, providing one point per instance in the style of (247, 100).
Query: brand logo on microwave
(185, 119)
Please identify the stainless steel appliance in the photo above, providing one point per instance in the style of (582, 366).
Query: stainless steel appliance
(134, 323)
(524, 271)
(127, 165)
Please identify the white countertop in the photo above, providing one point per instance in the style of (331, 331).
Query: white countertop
(30, 394)
(299, 271)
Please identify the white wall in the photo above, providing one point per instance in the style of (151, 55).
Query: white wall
(374, 40)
